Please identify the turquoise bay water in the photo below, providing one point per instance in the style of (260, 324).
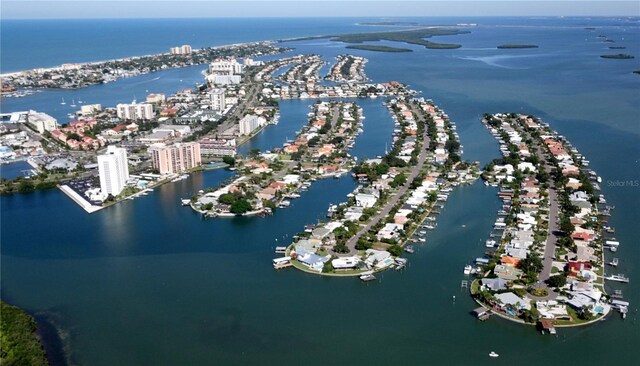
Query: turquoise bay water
(150, 282)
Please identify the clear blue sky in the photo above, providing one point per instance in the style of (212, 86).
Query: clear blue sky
(11, 9)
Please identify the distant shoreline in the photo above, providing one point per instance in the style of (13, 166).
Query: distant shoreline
(516, 46)
(375, 48)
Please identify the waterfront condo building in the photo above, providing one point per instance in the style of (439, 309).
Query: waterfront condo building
(135, 111)
(182, 50)
(250, 123)
(219, 146)
(218, 99)
(226, 67)
(114, 170)
(156, 98)
(41, 121)
(175, 158)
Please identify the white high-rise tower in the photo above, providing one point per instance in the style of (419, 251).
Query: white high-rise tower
(114, 170)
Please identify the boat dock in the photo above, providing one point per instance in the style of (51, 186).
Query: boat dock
(281, 250)
(617, 278)
(366, 277)
(282, 262)
(482, 313)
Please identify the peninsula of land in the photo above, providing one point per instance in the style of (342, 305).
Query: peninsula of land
(375, 48)
(412, 36)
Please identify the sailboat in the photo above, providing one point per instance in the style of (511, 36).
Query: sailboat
(63, 102)
(73, 103)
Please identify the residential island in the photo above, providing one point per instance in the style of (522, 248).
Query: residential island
(545, 261)
(397, 199)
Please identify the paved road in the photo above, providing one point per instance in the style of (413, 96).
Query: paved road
(244, 104)
(415, 170)
(552, 239)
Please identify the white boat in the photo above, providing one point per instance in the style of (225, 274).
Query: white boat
(490, 243)
(493, 354)
(422, 240)
(467, 269)
(63, 102)
(73, 103)
(185, 201)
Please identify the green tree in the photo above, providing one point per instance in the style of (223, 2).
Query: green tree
(327, 267)
(532, 264)
(395, 250)
(340, 248)
(229, 160)
(557, 280)
(382, 168)
(240, 206)
(227, 198)
(363, 244)
(399, 180)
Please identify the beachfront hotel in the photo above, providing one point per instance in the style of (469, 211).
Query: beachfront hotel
(113, 170)
(175, 158)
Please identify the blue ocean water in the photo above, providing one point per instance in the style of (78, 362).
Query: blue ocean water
(150, 282)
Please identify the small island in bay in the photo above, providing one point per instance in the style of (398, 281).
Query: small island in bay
(412, 36)
(511, 46)
(637, 72)
(366, 47)
(618, 56)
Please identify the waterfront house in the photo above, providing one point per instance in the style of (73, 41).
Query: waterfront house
(552, 309)
(509, 261)
(495, 284)
(365, 200)
(320, 233)
(390, 231)
(378, 259)
(345, 263)
(506, 272)
(311, 260)
(509, 299)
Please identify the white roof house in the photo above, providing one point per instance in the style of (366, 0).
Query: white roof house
(509, 298)
(365, 200)
(345, 262)
(526, 165)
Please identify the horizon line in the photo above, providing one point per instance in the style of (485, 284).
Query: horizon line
(333, 16)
